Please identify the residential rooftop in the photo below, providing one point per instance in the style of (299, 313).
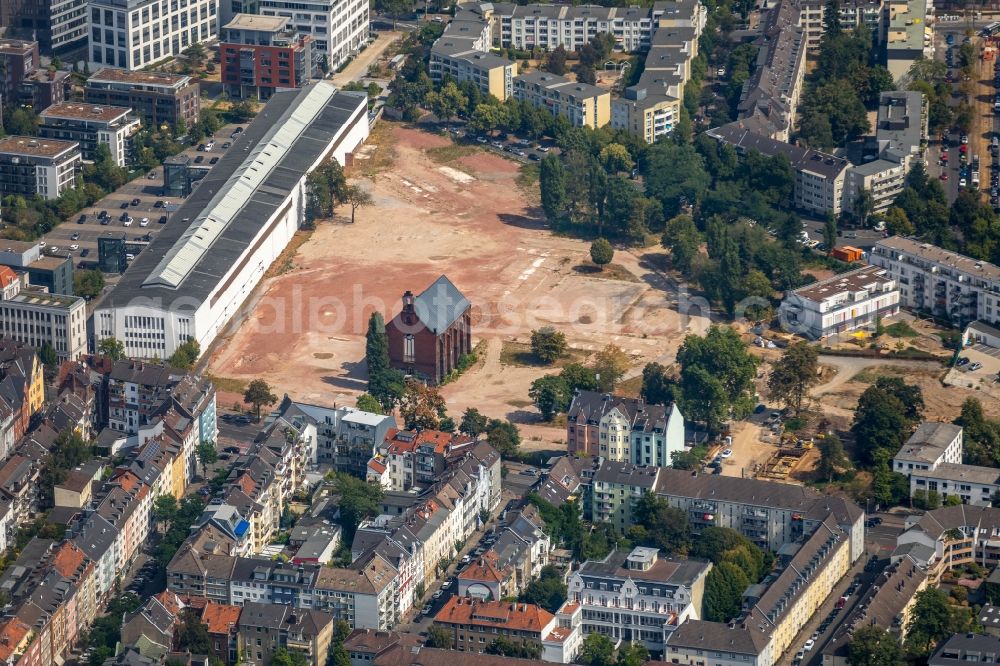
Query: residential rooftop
(83, 111)
(938, 255)
(928, 443)
(740, 135)
(960, 472)
(868, 278)
(16, 46)
(139, 77)
(257, 22)
(35, 147)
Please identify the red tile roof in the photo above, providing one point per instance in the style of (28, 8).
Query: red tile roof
(171, 602)
(521, 617)
(377, 466)
(67, 559)
(220, 618)
(12, 632)
(483, 569)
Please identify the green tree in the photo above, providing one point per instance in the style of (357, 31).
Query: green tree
(555, 61)
(717, 376)
(358, 500)
(165, 508)
(615, 158)
(242, 111)
(207, 455)
(185, 356)
(357, 197)
(684, 241)
(47, 354)
(515, 649)
(446, 102)
(22, 121)
(884, 417)
(874, 646)
(88, 283)
(195, 54)
(192, 635)
(112, 348)
(601, 252)
(723, 592)
(830, 232)
(981, 436)
(473, 423)
(547, 591)
(421, 405)
(440, 637)
(597, 650)
(284, 657)
(369, 403)
(552, 186)
(503, 436)
(657, 386)
(831, 457)
(548, 344)
(550, 395)
(259, 394)
(632, 654)
(666, 527)
(793, 374)
(488, 117)
(931, 621)
(385, 383)
(610, 364)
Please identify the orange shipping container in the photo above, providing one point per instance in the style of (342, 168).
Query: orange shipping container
(847, 253)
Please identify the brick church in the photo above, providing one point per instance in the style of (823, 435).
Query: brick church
(432, 332)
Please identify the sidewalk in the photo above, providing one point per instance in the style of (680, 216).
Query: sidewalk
(358, 68)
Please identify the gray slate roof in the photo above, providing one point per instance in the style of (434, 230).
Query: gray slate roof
(439, 305)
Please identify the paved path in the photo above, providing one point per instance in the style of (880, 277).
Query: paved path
(358, 68)
(848, 366)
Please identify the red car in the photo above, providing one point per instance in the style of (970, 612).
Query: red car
(963, 148)
(943, 176)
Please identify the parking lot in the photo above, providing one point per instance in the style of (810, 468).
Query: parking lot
(78, 235)
(977, 365)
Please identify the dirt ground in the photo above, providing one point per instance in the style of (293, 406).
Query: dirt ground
(462, 213)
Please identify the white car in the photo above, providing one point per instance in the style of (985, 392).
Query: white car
(961, 182)
(41, 244)
(144, 222)
(128, 222)
(809, 645)
(726, 453)
(74, 247)
(53, 249)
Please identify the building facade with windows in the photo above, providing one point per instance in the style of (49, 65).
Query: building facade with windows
(157, 97)
(132, 34)
(946, 284)
(582, 104)
(847, 302)
(30, 166)
(37, 318)
(338, 29)
(263, 54)
(91, 125)
(59, 26)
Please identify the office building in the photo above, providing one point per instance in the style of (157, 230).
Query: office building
(582, 104)
(157, 98)
(91, 125)
(36, 318)
(843, 303)
(59, 26)
(932, 460)
(263, 54)
(651, 595)
(53, 272)
(30, 166)
(932, 444)
(338, 29)
(136, 33)
(941, 282)
(201, 268)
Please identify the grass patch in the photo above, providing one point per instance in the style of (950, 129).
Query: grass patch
(383, 141)
(901, 330)
(795, 424)
(519, 403)
(228, 384)
(285, 261)
(527, 176)
(609, 272)
(629, 388)
(446, 154)
(520, 354)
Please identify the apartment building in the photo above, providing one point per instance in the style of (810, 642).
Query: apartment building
(944, 283)
(882, 178)
(550, 26)
(136, 33)
(156, 97)
(901, 126)
(37, 318)
(843, 303)
(91, 125)
(853, 13)
(18, 58)
(263, 628)
(931, 445)
(624, 429)
(909, 35)
(492, 74)
(42, 88)
(582, 104)
(59, 26)
(773, 618)
(932, 460)
(617, 486)
(262, 54)
(476, 624)
(638, 596)
(952, 536)
(30, 166)
(820, 178)
(768, 513)
(338, 29)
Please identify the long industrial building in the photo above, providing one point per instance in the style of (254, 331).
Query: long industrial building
(197, 273)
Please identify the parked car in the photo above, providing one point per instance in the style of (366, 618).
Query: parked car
(75, 236)
(226, 145)
(975, 366)
(82, 218)
(726, 453)
(136, 202)
(213, 160)
(159, 203)
(809, 645)
(962, 361)
(144, 222)
(199, 159)
(124, 205)
(163, 219)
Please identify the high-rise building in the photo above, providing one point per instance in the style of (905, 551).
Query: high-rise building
(132, 34)
(59, 26)
(338, 29)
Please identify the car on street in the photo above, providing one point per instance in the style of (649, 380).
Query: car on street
(158, 204)
(809, 645)
(943, 176)
(961, 182)
(445, 585)
(437, 594)
(226, 145)
(53, 249)
(965, 139)
(466, 559)
(213, 160)
(482, 139)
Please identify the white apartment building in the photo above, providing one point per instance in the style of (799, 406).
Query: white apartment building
(884, 179)
(132, 34)
(91, 125)
(932, 444)
(38, 318)
(853, 13)
(846, 302)
(638, 596)
(932, 459)
(30, 166)
(944, 283)
(338, 27)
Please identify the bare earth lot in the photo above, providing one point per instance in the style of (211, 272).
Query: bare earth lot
(463, 214)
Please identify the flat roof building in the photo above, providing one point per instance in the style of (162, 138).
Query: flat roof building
(843, 303)
(37, 318)
(91, 125)
(263, 54)
(156, 97)
(582, 104)
(31, 165)
(196, 273)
